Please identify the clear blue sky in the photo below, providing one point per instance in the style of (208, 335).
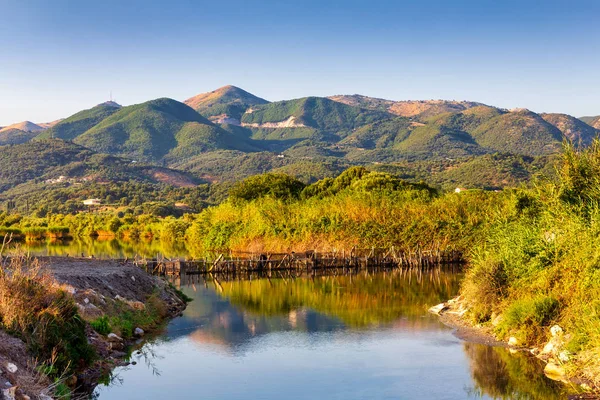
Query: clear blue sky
(58, 57)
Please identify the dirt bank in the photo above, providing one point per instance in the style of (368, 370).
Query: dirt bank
(134, 302)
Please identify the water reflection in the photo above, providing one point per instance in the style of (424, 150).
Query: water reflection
(341, 337)
(105, 248)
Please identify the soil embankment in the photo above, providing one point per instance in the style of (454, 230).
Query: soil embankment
(132, 302)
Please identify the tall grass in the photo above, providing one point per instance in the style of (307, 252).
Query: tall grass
(540, 263)
(34, 307)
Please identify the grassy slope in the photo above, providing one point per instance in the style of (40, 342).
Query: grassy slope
(157, 129)
(572, 128)
(16, 136)
(70, 128)
(521, 132)
(315, 112)
(36, 161)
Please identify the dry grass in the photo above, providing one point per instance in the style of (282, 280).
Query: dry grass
(35, 308)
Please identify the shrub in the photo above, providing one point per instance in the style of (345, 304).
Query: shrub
(101, 325)
(34, 307)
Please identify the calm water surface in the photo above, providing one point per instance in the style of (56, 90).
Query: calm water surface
(366, 336)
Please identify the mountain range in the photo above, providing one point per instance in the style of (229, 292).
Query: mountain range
(229, 133)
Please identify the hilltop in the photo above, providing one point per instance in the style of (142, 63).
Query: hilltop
(406, 108)
(73, 126)
(25, 126)
(593, 121)
(224, 105)
(158, 130)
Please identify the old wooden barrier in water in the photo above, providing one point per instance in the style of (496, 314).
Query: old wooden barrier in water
(306, 261)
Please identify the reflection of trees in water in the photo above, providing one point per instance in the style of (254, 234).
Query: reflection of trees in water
(501, 375)
(361, 300)
(107, 248)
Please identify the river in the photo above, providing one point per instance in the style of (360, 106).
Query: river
(366, 336)
(362, 336)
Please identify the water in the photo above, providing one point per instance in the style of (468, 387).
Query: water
(105, 248)
(366, 336)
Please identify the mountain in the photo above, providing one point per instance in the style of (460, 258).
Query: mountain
(593, 121)
(572, 128)
(19, 133)
(407, 108)
(25, 126)
(47, 125)
(484, 129)
(224, 105)
(15, 136)
(228, 134)
(303, 118)
(77, 124)
(519, 132)
(159, 130)
(45, 161)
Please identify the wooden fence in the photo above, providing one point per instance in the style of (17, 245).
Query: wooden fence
(305, 262)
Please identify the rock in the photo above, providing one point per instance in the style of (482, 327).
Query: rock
(10, 393)
(556, 331)
(512, 341)
(138, 332)
(12, 368)
(437, 310)
(496, 320)
(86, 300)
(564, 356)
(534, 351)
(112, 337)
(120, 298)
(116, 346)
(25, 397)
(554, 372)
(548, 348)
(133, 278)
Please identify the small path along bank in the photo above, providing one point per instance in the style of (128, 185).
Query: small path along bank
(120, 304)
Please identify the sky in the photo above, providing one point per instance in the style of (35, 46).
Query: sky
(59, 57)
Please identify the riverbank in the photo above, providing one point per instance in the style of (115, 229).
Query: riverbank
(118, 304)
(453, 313)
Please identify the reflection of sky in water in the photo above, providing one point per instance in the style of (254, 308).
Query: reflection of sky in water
(220, 350)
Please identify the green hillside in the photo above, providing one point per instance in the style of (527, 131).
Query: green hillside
(312, 112)
(380, 134)
(16, 136)
(227, 101)
(519, 132)
(162, 129)
(448, 135)
(572, 128)
(70, 128)
(48, 159)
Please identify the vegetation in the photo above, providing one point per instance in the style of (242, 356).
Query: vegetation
(539, 263)
(228, 100)
(70, 128)
(37, 309)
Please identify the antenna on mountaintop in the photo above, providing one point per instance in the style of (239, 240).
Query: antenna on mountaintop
(111, 96)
